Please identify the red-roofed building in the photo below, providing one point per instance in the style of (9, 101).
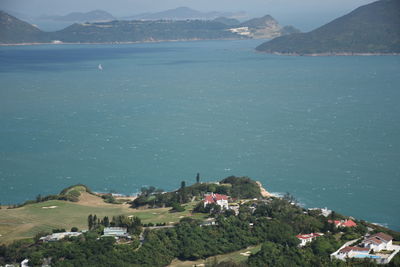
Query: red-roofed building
(220, 200)
(378, 242)
(343, 223)
(307, 238)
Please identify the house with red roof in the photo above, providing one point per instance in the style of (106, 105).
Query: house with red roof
(378, 242)
(307, 238)
(343, 223)
(218, 199)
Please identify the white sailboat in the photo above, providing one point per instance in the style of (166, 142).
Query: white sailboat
(100, 67)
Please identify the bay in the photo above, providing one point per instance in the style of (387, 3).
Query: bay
(325, 129)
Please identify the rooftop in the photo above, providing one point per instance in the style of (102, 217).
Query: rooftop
(359, 249)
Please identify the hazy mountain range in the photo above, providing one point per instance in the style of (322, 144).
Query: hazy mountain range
(182, 13)
(92, 16)
(179, 13)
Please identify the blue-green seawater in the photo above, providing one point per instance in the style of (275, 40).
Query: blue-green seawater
(325, 129)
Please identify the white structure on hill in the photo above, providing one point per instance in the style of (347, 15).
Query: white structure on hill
(352, 252)
(220, 200)
(378, 242)
(308, 238)
(117, 232)
(58, 236)
(370, 248)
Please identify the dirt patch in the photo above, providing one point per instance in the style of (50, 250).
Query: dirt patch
(87, 199)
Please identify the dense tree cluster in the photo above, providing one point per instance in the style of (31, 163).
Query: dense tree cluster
(132, 224)
(236, 187)
(274, 223)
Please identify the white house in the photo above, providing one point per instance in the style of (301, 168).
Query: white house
(378, 242)
(307, 238)
(351, 252)
(116, 232)
(220, 200)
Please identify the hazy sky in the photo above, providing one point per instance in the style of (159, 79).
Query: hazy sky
(304, 14)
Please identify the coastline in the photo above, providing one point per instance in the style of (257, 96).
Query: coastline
(120, 43)
(263, 191)
(329, 54)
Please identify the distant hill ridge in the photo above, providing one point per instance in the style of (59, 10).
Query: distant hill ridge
(92, 16)
(15, 31)
(370, 29)
(182, 13)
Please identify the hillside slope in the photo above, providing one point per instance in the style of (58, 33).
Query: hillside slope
(13, 30)
(373, 28)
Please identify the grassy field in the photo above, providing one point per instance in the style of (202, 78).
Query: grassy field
(237, 256)
(27, 221)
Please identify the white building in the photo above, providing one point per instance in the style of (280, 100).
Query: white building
(351, 252)
(116, 232)
(25, 263)
(324, 212)
(378, 242)
(307, 238)
(220, 200)
(59, 236)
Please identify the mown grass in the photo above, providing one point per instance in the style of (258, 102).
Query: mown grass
(27, 221)
(235, 256)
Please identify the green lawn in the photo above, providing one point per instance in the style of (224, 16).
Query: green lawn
(27, 221)
(233, 256)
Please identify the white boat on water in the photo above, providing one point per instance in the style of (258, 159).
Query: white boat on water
(100, 67)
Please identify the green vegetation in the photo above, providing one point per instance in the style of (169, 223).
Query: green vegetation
(269, 226)
(272, 223)
(27, 221)
(236, 187)
(373, 28)
(133, 224)
(13, 30)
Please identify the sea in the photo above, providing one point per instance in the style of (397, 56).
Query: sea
(324, 129)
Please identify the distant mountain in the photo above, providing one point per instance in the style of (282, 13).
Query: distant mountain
(140, 31)
(19, 15)
(13, 30)
(227, 21)
(183, 13)
(264, 27)
(92, 16)
(373, 28)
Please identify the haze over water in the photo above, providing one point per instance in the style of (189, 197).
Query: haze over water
(325, 129)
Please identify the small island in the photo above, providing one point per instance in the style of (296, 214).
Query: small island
(233, 222)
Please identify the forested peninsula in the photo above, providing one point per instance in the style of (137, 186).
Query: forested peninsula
(233, 222)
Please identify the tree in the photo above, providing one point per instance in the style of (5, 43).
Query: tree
(106, 221)
(94, 221)
(90, 222)
(183, 185)
(198, 178)
(176, 207)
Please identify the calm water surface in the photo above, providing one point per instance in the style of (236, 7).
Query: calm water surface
(326, 129)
